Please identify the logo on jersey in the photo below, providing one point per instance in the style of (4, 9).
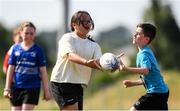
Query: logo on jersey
(33, 54)
(17, 53)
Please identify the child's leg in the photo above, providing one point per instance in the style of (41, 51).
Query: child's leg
(71, 107)
(31, 98)
(26, 107)
(16, 108)
(133, 108)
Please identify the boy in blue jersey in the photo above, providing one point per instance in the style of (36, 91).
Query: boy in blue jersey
(150, 76)
(27, 65)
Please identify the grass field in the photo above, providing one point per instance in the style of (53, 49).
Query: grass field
(116, 97)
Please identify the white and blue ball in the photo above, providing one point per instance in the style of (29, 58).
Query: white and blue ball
(109, 61)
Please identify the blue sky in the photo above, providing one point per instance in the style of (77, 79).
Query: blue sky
(48, 14)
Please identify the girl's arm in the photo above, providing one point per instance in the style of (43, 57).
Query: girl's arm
(9, 78)
(93, 63)
(45, 81)
(130, 83)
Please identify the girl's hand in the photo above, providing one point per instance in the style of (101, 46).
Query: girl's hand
(47, 96)
(94, 63)
(7, 93)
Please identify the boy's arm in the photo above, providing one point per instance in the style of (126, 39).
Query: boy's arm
(135, 70)
(45, 82)
(130, 83)
(142, 71)
(9, 78)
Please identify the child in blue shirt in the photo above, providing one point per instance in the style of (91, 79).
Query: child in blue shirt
(27, 65)
(157, 91)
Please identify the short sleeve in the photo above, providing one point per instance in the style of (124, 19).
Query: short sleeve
(98, 52)
(145, 61)
(12, 57)
(41, 60)
(66, 45)
(10, 50)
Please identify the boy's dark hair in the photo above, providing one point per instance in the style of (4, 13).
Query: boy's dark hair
(149, 30)
(76, 18)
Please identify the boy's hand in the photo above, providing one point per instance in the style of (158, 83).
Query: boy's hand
(120, 55)
(121, 64)
(127, 83)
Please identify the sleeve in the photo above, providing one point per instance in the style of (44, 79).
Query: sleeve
(145, 61)
(10, 50)
(98, 52)
(41, 60)
(66, 45)
(12, 57)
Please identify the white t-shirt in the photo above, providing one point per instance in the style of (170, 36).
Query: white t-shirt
(66, 71)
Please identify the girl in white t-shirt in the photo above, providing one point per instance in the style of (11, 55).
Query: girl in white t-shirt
(77, 55)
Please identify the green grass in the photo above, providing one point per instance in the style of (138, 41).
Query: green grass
(115, 96)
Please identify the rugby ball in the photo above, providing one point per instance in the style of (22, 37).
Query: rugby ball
(109, 61)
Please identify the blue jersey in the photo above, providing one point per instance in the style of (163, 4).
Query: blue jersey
(153, 81)
(27, 64)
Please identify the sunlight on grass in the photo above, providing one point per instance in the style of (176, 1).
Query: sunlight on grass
(114, 97)
(118, 97)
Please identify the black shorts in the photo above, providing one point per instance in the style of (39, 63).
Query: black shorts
(24, 96)
(152, 101)
(67, 94)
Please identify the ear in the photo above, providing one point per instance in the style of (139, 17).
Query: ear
(147, 39)
(74, 25)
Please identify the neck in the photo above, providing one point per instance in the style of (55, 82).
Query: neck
(140, 47)
(83, 36)
(27, 45)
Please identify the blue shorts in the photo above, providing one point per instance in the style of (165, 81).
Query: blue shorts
(67, 94)
(152, 101)
(24, 96)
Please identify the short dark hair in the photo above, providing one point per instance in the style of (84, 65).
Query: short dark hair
(77, 17)
(149, 30)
